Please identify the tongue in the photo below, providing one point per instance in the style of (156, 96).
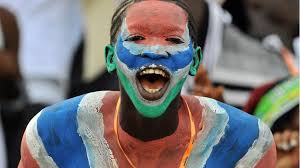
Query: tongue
(157, 84)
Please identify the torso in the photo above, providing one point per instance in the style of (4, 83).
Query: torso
(94, 129)
(164, 152)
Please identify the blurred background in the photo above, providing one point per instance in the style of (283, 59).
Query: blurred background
(51, 50)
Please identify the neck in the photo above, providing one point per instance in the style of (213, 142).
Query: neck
(147, 129)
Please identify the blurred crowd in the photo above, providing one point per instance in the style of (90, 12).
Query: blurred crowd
(54, 50)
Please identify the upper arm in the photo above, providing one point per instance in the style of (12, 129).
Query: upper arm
(33, 151)
(27, 160)
(268, 159)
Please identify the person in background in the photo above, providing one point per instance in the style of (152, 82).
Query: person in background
(277, 104)
(232, 58)
(11, 95)
(49, 33)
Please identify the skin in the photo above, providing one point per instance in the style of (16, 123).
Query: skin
(171, 18)
(8, 56)
(287, 158)
(289, 136)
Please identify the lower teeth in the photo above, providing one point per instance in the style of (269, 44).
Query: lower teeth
(152, 90)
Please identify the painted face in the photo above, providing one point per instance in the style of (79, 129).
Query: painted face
(153, 55)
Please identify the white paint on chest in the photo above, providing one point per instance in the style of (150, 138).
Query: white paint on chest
(91, 129)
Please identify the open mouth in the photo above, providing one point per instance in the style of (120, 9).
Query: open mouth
(152, 82)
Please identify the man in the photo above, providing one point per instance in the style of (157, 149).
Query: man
(11, 97)
(39, 42)
(147, 124)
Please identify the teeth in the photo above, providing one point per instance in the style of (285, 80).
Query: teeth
(153, 71)
(151, 90)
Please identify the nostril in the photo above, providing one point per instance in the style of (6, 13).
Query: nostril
(168, 54)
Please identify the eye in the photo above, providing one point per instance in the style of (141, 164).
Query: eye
(135, 38)
(175, 40)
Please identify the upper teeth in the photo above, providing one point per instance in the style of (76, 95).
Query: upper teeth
(153, 71)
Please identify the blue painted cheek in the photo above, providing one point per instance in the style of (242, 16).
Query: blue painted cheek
(172, 62)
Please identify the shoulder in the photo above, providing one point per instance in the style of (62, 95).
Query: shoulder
(56, 131)
(64, 115)
(231, 137)
(233, 117)
(68, 111)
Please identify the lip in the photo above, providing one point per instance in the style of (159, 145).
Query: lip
(157, 94)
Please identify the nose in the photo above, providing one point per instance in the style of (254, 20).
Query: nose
(153, 55)
(155, 52)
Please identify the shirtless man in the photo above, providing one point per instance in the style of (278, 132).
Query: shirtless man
(148, 123)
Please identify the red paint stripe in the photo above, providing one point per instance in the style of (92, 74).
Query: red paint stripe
(156, 20)
(27, 161)
(269, 159)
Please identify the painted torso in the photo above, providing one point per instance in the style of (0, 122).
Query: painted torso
(79, 132)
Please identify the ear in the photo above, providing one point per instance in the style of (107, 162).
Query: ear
(109, 58)
(197, 58)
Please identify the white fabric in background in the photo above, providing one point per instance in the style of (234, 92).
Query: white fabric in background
(213, 42)
(214, 38)
(2, 142)
(50, 31)
(2, 42)
(296, 45)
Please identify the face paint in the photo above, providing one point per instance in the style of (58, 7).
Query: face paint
(153, 55)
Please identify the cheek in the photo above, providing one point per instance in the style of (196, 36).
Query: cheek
(125, 56)
(181, 60)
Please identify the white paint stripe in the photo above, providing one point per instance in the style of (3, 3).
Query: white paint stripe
(215, 120)
(259, 147)
(91, 130)
(35, 145)
(139, 49)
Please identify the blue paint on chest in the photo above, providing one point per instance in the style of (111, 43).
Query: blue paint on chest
(172, 62)
(57, 127)
(242, 130)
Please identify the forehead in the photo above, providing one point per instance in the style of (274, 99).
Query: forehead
(156, 14)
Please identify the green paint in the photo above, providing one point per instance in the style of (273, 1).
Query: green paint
(197, 58)
(109, 53)
(147, 110)
(144, 109)
(278, 101)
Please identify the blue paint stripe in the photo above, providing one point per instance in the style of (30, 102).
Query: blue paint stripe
(173, 62)
(242, 130)
(57, 127)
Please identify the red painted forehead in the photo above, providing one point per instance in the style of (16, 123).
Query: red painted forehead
(156, 17)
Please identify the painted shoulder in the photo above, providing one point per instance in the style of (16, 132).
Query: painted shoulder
(229, 138)
(59, 132)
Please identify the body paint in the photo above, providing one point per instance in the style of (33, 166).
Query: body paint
(131, 56)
